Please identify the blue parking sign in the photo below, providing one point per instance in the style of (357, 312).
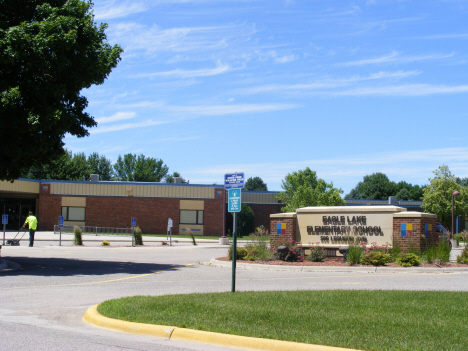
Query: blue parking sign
(4, 219)
(133, 222)
(60, 221)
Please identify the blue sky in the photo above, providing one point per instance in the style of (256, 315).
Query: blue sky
(271, 87)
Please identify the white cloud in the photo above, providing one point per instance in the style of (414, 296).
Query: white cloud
(219, 69)
(110, 9)
(285, 59)
(219, 110)
(412, 166)
(119, 116)
(395, 57)
(120, 127)
(403, 90)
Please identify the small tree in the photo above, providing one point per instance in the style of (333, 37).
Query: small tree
(255, 184)
(245, 220)
(303, 189)
(437, 196)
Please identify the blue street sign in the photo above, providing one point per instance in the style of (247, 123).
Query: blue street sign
(234, 200)
(4, 219)
(60, 221)
(234, 180)
(133, 222)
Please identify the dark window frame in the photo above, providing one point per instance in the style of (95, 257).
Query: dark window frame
(66, 218)
(196, 217)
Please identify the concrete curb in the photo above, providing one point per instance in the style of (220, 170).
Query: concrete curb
(234, 341)
(350, 269)
(8, 266)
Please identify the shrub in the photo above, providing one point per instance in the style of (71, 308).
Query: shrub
(258, 249)
(395, 251)
(78, 232)
(137, 236)
(376, 248)
(317, 254)
(355, 252)
(293, 252)
(241, 253)
(463, 258)
(408, 260)
(376, 258)
(105, 243)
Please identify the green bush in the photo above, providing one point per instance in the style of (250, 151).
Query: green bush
(395, 251)
(355, 253)
(408, 260)
(105, 243)
(463, 258)
(245, 221)
(78, 239)
(376, 258)
(317, 254)
(137, 236)
(241, 253)
(258, 249)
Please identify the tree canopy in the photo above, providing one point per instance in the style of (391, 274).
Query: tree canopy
(72, 167)
(170, 178)
(255, 184)
(49, 52)
(303, 188)
(437, 196)
(140, 169)
(377, 186)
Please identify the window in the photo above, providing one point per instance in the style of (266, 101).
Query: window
(73, 214)
(191, 217)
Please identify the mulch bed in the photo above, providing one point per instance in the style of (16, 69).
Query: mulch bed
(338, 262)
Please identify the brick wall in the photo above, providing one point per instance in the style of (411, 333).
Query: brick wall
(152, 214)
(262, 213)
(290, 229)
(417, 240)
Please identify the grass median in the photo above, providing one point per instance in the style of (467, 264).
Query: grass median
(365, 320)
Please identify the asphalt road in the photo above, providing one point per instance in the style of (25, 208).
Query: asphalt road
(43, 303)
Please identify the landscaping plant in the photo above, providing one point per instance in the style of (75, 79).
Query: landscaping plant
(78, 239)
(376, 258)
(355, 252)
(408, 260)
(137, 236)
(463, 258)
(293, 252)
(105, 243)
(317, 253)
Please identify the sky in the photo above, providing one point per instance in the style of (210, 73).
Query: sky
(346, 88)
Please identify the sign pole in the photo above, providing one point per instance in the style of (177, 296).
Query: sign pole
(60, 237)
(4, 222)
(234, 253)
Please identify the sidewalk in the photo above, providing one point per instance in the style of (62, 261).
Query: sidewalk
(121, 239)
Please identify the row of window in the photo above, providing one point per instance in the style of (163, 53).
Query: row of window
(78, 214)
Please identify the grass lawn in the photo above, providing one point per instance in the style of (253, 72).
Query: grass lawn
(366, 320)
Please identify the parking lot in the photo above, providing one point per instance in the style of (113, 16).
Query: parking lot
(43, 302)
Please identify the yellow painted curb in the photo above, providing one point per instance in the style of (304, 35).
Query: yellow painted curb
(98, 320)
(240, 342)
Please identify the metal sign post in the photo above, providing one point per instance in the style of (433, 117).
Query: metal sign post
(60, 226)
(169, 229)
(4, 222)
(234, 205)
(133, 229)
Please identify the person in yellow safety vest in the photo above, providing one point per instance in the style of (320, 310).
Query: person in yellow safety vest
(32, 224)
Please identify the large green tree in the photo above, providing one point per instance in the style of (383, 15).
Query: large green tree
(255, 184)
(303, 188)
(49, 52)
(140, 169)
(72, 167)
(376, 186)
(437, 196)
